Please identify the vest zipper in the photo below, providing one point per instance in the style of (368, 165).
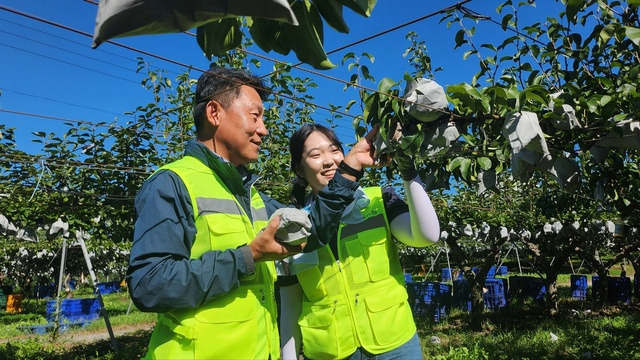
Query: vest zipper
(339, 267)
(335, 305)
(357, 294)
(262, 293)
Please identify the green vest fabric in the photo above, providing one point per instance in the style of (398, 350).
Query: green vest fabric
(358, 300)
(242, 323)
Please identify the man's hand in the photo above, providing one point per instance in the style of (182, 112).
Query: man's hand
(265, 247)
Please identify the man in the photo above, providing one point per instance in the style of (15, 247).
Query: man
(203, 249)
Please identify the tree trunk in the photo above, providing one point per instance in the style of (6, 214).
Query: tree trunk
(552, 292)
(477, 306)
(603, 295)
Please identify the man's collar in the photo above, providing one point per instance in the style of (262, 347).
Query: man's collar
(213, 160)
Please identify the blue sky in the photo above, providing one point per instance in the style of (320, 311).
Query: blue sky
(49, 71)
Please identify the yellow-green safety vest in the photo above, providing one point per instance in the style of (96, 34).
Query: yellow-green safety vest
(358, 300)
(242, 323)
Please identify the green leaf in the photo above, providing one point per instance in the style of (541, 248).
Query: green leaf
(331, 12)
(573, 7)
(369, 56)
(349, 105)
(218, 37)
(468, 53)
(269, 35)
(633, 34)
(605, 99)
(411, 143)
(607, 32)
(362, 7)
(455, 163)
(348, 56)
(371, 106)
(505, 21)
(385, 85)
(489, 46)
(460, 39)
(465, 169)
(484, 162)
(535, 93)
(307, 39)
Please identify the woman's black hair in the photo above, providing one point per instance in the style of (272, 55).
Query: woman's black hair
(296, 147)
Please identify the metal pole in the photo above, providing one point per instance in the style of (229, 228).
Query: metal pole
(446, 252)
(518, 257)
(433, 263)
(63, 261)
(129, 308)
(103, 311)
(505, 256)
(570, 264)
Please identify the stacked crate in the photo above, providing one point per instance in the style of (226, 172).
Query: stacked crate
(579, 287)
(431, 299)
(75, 311)
(108, 287)
(462, 294)
(494, 294)
(619, 289)
(522, 287)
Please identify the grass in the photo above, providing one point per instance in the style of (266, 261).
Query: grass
(521, 331)
(610, 333)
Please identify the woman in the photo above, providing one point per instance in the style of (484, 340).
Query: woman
(352, 302)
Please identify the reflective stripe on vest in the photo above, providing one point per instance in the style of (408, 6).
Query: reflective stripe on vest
(360, 300)
(242, 323)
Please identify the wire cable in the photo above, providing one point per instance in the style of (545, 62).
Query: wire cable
(37, 159)
(68, 63)
(297, 66)
(85, 122)
(68, 51)
(58, 101)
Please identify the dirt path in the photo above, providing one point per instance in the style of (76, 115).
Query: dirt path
(82, 336)
(76, 336)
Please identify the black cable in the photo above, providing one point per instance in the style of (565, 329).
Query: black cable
(68, 63)
(58, 101)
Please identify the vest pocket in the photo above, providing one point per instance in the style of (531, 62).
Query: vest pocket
(229, 330)
(227, 231)
(389, 315)
(312, 284)
(369, 259)
(319, 331)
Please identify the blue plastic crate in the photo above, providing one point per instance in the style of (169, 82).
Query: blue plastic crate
(579, 287)
(74, 310)
(495, 294)
(494, 302)
(108, 287)
(462, 294)
(501, 270)
(41, 291)
(522, 287)
(619, 289)
(493, 271)
(429, 299)
(447, 274)
(408, 278)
